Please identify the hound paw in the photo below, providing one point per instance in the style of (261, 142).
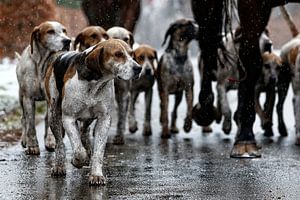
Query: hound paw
(268, 132)
(118, 140)
(147, 131)
(187, 125)
(206, 129)
(226, 127)
(133, 128)
(80, 159)
(97, 180)
(58, 171)
(282, 130)
(33, 150)
(50, 143)
(174, 129)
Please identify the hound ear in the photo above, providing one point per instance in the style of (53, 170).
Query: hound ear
(155, 55)
(94, 60)
(34, 36)
(170, 31)
(131, 40)
(78, 39)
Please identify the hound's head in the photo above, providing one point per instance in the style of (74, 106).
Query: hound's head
(146, 56)
(51, 36)
(272, 65)
(121, 33)
(89, 37)
(182, 30)
(112, 58)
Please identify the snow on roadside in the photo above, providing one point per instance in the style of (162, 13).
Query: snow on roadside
(8, 85)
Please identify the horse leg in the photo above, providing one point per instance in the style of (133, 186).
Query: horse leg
(259, 12)
(209, 16)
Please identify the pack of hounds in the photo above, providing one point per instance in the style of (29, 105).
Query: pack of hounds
(80, 87)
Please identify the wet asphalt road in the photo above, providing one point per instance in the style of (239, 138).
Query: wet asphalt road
(193, 166)
(187, 166)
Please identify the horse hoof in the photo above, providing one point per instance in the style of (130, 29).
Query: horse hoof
(245, 150)
(174, 130)
(204, 116)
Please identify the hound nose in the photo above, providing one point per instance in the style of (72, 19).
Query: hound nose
(148, 71)
(66, 43)
(137, 69)
(273, 79)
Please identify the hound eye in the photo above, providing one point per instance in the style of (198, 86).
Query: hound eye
(64, 31)
(118, 54)
(51, 32)
(126, 39)
(94, 36)
(105, 36)
(151, 58)
(141, 58)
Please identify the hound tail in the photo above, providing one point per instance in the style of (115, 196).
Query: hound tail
(18, 56)
(288, 18)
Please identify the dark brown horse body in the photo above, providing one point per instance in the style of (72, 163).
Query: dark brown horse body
(254, 16)
(108, 13)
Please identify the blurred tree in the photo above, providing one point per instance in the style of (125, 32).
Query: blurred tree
(17, 20)
(108, 13)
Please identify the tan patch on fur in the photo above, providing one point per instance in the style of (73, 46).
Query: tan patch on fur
(144, 51)
(71, 71)
(269, 57)
(90, 36)
(47, 81)
(293, 55)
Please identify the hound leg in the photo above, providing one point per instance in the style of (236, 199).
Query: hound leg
(268, 110)
(164, 101)
(296, 101)
(265, 122)
(101, 133)
(23, 121)
(55, 122)
(80, 156)
(147, 124)
(122, 97)
(49, 138)
(178, 98)
(282, 88)
(30, 132)
(224, 107)
(85, 136)
(132, 121)
(189, 95)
